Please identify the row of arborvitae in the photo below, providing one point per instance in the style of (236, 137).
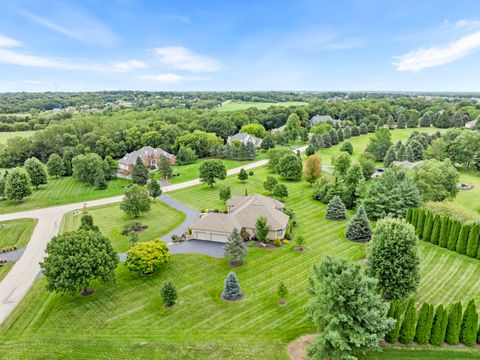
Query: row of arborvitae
(434, 326)
(446, 232)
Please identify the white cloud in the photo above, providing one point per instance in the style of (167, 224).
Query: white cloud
(75, 23)
(6, 41)
(167, 78)
(181, 58)
(129, 65)
(435, 56)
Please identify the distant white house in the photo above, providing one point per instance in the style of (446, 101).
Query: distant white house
(278, 130)
(407, 164)
(323, 118)
(245, 138)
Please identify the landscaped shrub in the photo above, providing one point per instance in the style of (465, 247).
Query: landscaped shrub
(427, 230)
(394, 312)
(437, 336)
(454, 321)
(463, 239)
(468, 331)
(424, 324)
(231, 288)
(169, 294)
(146, 257)
(407, 330)
(133, 226)
(454, 233)
(472, 244)
(359, 229)
(437, 223)
(420, 222)
(336, 209)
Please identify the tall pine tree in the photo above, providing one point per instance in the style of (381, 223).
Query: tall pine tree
(437, 336)
(359, 229)
(407, 330)
(472, 244)
(444, 232)
(454, 322)
(424, 324)
(468, 331)
(454, 234)
(394, 312)
(437, 223)
(427, 230)
(463, 239)
(420, 222)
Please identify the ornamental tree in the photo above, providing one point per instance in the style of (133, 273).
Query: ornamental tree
(282, 292)
(280, 191)
(336, 209)
(153, 188)
(231, 288)
(242, 175)
(86, 223)
(454, 234)
(407, 330)
(235, 252)
(469, 327)
(136, 201)
(472, 243)
(74, 259)
(55, 166)
(211, 171)
(140, 172)
(17, 185)
(169, 294)
(393, 259)
(36, 171)
(462, 242)
(146, 257)
(359, 229)
(346, 310)
(439, 328)
(262, 229)
(270, 183)
(454, 324)
(312, 169)
(424, 324)
(290, 167)
(394, 312)
(225, 193)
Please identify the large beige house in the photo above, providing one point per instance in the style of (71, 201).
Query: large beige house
(243, 212)
(149, 155)
(245, 139)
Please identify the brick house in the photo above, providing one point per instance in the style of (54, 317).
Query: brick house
(150, 156)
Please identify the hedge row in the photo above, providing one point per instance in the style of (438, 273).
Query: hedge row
(446, 232)
(434, 326)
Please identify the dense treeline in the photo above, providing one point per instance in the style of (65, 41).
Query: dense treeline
(116, 132)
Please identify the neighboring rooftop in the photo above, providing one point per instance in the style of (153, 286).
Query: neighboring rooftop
(407, 164)
(143, 152)
(323, 118)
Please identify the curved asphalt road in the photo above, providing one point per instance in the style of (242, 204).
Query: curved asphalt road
(19, 279)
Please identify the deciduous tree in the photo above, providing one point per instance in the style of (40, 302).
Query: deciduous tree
(36, 171)
(17, 185)
(312, 169)
(146, 257)
(211, 171)
(55, 166)
(136, 201)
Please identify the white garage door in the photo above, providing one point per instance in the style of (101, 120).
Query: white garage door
(199, 235)
(219, 237)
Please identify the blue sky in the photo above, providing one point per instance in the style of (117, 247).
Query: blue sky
(239, 45)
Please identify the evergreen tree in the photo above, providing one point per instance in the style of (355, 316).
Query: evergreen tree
(333, 137)
(390, 122)
(282, 292)
(394, 312)
(242, 175)
(463, 239)
(363, 128)
(310, 150)
(427, 230)
(340, 135)
(165, 167)
(336, 209)
(408, 217)
(268, 142)
(420, 222)
(86, 223)
(407, 330)
(235, 252)
(347, 147)
(393, 258)
(154, 189)
(36, 171)
(401, 153)
(424, 324)
(231, 289)
(345, 309)
(355, 130)
(359, 229)
(280, 191)
(468, 331)
(437, 223)
(414, 218)
(225, 193)
(401, 121)
(326, 140)
(169, 294)
(347, 133)
(454, 323)
(262, 229)
(390, 157)
(140, 172)
(444, 233)
(437, 336)
(454, 234)
(472, 244)
(270, 183)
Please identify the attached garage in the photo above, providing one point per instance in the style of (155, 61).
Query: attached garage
(218, 237)
(199, 235)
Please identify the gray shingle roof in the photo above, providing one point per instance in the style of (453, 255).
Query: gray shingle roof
(322, 118)
(130, 158)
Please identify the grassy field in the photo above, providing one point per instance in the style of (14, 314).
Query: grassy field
(4, 136)
(242, 105)
(16, 232)
(110, 219)
(127, 319)
(64, 190)
(469, 198)
(191, 171)
(359, 143)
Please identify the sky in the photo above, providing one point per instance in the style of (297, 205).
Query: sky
(89, 45)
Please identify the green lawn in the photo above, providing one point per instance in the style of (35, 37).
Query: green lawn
(110, 219)
(127, 320)
(16, 232)
(242, 105)
(424, 354)
(4, 136)
(469, 199)
(191, 171)
(359, 143)
(4, 269)
(64, 190)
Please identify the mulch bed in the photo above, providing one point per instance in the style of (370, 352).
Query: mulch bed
(87, 292)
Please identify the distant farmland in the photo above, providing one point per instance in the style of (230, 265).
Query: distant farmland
(242, 105)
(4, 136)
